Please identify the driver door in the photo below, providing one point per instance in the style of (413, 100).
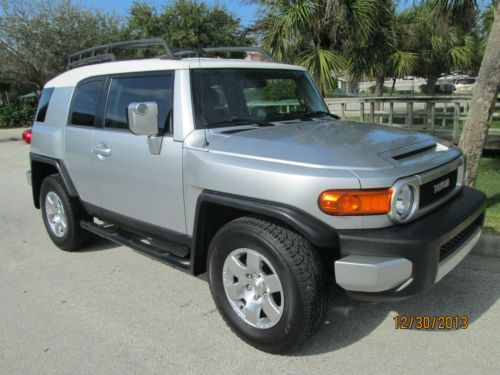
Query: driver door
(133, 184)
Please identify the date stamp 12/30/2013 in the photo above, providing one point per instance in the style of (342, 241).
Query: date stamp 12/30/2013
(431, 322)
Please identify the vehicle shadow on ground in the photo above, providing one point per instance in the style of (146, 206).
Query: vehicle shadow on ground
(463, 292)
(97, 243)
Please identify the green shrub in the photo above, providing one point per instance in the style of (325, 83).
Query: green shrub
(371, 89)
(17, 114)
(443, 88)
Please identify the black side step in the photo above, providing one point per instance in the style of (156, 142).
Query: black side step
(128, 239)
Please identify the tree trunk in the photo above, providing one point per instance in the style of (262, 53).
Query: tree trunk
(431, 85)
(379, 91)
(483, 103)
(393, 85)
(379, 86)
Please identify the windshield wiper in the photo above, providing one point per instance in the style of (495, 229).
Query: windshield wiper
(240, 121)
(304, 116)
(308, 115)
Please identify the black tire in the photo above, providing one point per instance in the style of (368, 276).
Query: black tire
(75, 236)
(299, 270)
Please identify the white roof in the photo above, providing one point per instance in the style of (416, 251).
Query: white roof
(72, 77)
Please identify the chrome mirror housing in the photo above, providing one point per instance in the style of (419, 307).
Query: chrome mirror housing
(143, 118)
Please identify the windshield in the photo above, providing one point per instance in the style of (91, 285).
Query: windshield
(223, 97)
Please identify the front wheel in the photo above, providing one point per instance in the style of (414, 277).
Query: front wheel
(267, 282)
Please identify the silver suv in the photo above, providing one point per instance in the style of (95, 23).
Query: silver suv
(237, 169)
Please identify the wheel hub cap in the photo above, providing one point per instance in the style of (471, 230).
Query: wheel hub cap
(253, 288)
(56, 216)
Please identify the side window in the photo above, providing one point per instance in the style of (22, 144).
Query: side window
(43, 104)
(126, 90)
(85, 103)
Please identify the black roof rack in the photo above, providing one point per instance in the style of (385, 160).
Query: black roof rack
(188, 52)
(104, 53)
(201, 51)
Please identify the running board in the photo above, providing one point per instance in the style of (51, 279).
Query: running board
(125, 238)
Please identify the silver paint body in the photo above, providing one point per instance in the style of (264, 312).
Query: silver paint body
(291, 163)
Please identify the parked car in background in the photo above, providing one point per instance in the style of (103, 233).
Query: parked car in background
(464, 85)
(445, 85)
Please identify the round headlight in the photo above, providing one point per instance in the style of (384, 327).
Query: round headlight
(403, 202)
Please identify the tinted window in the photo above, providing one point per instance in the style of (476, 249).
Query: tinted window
(466, 81)
(85, 103)
(126, 90)
(43, 104)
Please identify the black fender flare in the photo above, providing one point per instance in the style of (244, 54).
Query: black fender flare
(37, 175)
(314, 230)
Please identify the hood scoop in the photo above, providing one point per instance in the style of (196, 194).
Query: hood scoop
(420, 150)
(414, 153)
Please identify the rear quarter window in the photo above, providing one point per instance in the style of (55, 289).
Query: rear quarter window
(85, 103)
(43, 104)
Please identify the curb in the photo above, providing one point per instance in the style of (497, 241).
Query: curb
(488, 245)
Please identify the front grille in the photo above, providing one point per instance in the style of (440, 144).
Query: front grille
(438, 188)
(453, 244)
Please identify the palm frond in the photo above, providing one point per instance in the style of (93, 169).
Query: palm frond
(366, 14)
(403, 62)
(462, 56)
(322, 63)
(455, 6)
(287, 27)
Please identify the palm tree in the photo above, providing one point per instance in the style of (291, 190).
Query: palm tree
(441, 43)
(383, 54)
(316, 33)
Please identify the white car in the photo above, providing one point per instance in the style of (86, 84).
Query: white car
(464, 85)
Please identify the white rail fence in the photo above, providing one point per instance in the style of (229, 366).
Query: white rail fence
(443, 116)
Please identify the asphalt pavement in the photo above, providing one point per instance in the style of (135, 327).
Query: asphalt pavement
(110, 310)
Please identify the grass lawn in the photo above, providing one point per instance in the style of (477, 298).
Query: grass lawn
(489, 182)
(495, 124)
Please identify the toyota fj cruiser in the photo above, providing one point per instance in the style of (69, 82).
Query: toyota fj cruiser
(236, 168)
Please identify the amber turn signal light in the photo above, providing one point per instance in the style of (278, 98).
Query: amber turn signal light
(355, 202)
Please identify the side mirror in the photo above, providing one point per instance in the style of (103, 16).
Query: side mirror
(143, 118)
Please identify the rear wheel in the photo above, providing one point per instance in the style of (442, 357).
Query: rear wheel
(62, 214)
(267, 283)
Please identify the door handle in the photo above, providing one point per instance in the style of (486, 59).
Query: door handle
(101, 150)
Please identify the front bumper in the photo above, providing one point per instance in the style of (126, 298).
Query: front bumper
(401, 261)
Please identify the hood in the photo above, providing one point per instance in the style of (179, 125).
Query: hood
(323, 144)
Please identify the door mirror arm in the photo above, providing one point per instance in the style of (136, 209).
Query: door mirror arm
(154, 143)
